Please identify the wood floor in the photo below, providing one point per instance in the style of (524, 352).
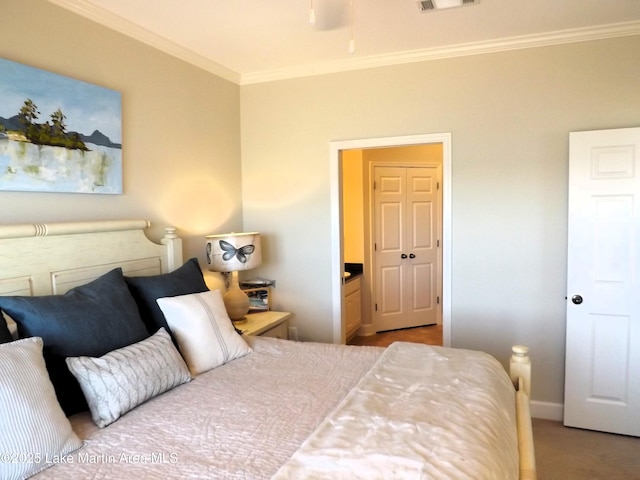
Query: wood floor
(431, 335)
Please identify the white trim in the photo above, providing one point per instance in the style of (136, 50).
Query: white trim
(336, 228)
(547, 411)
(450, 51)
(119, 24)
(135, 31)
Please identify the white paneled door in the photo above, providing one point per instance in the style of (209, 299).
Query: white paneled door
(602, 378)
(407, 266)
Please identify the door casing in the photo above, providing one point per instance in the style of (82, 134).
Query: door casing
(337, 261)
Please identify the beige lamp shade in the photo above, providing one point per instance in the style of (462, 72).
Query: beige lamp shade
(232, 252)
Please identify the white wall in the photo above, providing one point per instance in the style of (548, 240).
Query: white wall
(509, 115)
(181, 127)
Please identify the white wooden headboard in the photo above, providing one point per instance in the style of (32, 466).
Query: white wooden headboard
(46, 259)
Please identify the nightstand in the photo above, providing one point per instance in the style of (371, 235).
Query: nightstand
(266, 324)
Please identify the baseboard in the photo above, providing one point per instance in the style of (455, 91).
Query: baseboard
(366, 330)
(547, 410)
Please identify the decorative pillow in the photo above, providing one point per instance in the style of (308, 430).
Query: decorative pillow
(91, 319)
(205, 335)
(123, 379)
(33, 428)
(5, 333)
(145, 290)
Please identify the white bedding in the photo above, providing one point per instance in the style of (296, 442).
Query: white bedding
(242, 420)
(246, 419)
(420, 413)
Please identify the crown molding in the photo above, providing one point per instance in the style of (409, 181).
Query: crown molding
(119, 24)
(460, 50)
(130, 29)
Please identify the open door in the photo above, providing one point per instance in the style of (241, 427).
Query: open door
(602, 390)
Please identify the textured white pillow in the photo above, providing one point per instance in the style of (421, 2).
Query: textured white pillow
(124, 378)
(205, 335)
(34, 430)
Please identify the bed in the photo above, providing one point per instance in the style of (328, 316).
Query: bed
(166, 395)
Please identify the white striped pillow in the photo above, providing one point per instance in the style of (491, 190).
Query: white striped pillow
(34, 430)
(201, 326)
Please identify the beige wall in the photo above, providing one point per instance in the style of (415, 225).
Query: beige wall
(509, 115)
(181, 138)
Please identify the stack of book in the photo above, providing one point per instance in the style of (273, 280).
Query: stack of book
(259, 292)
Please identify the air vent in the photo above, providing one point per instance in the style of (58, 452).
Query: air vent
(426, 5)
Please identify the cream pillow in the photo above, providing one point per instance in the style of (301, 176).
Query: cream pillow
(34, 430)
(124, 378)
(205, 335)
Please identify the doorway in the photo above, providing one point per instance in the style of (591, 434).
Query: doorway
(337, 260)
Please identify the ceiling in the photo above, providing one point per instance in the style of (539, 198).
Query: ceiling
(251, 41)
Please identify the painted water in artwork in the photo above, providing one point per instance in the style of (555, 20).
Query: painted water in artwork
(58, 134)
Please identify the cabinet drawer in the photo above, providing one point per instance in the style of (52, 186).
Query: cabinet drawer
(354, 314)
(279, 331)
(353, 307)
(351, 286)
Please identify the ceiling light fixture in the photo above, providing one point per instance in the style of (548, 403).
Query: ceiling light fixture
(352, 43)
(312, 21)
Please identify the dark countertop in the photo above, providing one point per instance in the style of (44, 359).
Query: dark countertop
(352, 277)
(355, 269)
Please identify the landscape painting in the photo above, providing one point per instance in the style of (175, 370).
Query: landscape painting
(58, 134)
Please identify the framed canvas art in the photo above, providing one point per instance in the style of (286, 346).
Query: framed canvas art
(58, 134)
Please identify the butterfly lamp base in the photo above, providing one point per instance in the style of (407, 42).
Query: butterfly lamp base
(235, 300)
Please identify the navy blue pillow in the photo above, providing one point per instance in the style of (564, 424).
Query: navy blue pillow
(90, 320)
(146, 290)
(5, 334)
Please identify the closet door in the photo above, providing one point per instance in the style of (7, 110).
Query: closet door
(406, 247)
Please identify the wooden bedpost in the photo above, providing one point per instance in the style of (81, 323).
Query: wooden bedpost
(520, 373)
(520, 367)
(174, 248)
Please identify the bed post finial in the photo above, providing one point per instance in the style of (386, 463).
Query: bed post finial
(170, 232)
(174, 248)
(520, 368)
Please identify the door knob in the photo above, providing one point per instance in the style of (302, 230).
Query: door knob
(404, 255)
(576, 299)
(411, 255)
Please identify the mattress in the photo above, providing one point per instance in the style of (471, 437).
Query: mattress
(310, 410)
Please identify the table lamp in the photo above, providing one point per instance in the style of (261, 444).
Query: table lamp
(232, 252)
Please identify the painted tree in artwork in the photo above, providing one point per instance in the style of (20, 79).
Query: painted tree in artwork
(28, 114)
(58, 127)
(54, 133)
